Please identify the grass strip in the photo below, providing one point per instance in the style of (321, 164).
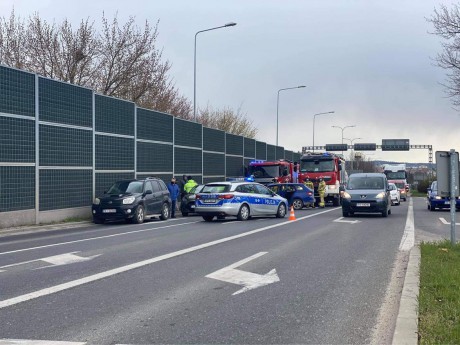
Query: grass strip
(439, 298)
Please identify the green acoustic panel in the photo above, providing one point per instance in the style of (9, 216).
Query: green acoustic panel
(288, 155)
(60, 146)
(279, 152)
(154, 157)
(65, 103)
(17, 188)
(105, 180)
(187, 161)
(114, 153)
(165, 177)
(17, 140)
(65, 189)
(152, 125)
(261, 150)
(17, 92)
(249, 148)
(234, 144)
(114, 115)
(235, 166)
(213, 179)
(271, 152)
(213, 140)
(246, 165)
(213, 164)
(296, 157)
(187, 133)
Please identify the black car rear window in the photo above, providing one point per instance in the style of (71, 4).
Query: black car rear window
(216, 188)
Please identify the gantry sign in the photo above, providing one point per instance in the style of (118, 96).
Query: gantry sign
(387, 145)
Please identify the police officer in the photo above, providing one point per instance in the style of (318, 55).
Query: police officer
(310, 185)
(321, 192)
(189, 185)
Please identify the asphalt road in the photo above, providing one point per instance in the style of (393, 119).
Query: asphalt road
(157, 282)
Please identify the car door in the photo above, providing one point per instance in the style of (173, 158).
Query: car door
(251, 195)
(148, 197)
(157, 197)
(269, 204)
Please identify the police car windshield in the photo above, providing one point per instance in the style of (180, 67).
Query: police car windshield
(123, 187)
(216, 188)
(365, 183)
(264, 171)
(317, 165)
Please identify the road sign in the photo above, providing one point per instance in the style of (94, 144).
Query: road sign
(336, 147)
(395, 145)
(365, 147)
(443, 170)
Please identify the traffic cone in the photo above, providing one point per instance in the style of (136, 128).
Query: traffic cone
(292, 215)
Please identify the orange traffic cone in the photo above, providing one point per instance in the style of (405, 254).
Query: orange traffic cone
(292, 215)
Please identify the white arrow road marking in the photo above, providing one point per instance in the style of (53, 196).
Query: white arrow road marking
(248, 279)
(445, 222)
(56, 260)
(342, 220)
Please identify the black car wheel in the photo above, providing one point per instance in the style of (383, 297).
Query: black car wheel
(432, 208)
(345, 213)
(139, 215)
(208, 218)
(297, 203)
(164, 212)
(281, 213)
(98, 220)
(243, 213)
(337, 201)
(385, 213)
(184, 214)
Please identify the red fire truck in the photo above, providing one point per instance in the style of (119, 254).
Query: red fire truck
(271, 171)
(330, 167)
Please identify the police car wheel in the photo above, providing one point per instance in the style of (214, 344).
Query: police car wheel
(208, 218)
(281, 213)
(243, 213)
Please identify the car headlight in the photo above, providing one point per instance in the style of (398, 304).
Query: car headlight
(96, 201)
(437, 197)
(128, 200)
(345, 195)
(380, 195)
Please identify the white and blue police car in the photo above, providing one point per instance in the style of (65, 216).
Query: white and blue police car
(240, 199)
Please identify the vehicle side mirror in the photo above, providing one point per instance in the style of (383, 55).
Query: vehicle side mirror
(148, 192)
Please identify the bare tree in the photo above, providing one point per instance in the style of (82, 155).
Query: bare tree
(12, 42)
(227, 120)
(446, 23)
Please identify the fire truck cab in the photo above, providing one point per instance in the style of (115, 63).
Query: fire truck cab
(266, 172)
(328, 166)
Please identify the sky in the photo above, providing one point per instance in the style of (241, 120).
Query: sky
(369, 61)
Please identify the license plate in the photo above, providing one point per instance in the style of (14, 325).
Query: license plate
(209, 201)
(363, 204)
(192, 206)
(446, 202)
(109, 210)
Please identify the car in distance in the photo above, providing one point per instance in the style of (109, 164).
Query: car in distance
(239, 199)
(435, 200)
(367, 193)
(297, 194)
(187, 204)
(395, 194)
(402, 190)
(133, 200)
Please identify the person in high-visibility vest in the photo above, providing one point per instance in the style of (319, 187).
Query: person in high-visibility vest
(321, 192)
(310, 185)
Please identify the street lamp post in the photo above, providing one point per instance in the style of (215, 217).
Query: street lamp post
(278, 103)
(314, 117)
(194, 64)
(352, 156)
(343, 128)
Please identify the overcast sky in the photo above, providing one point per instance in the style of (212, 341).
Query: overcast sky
(369, 61)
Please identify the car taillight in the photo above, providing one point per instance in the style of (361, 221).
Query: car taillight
(226, 196)
(198, 196)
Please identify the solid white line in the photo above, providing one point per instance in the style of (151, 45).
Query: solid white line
(112, 272)
(94, 238)
(37, 342)
(408, 238)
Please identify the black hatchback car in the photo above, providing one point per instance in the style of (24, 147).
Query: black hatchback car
(133, 200)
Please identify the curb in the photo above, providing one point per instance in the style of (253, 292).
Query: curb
(23, 230)
(406, 330)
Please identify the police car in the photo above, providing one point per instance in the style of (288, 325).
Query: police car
(239, 199)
